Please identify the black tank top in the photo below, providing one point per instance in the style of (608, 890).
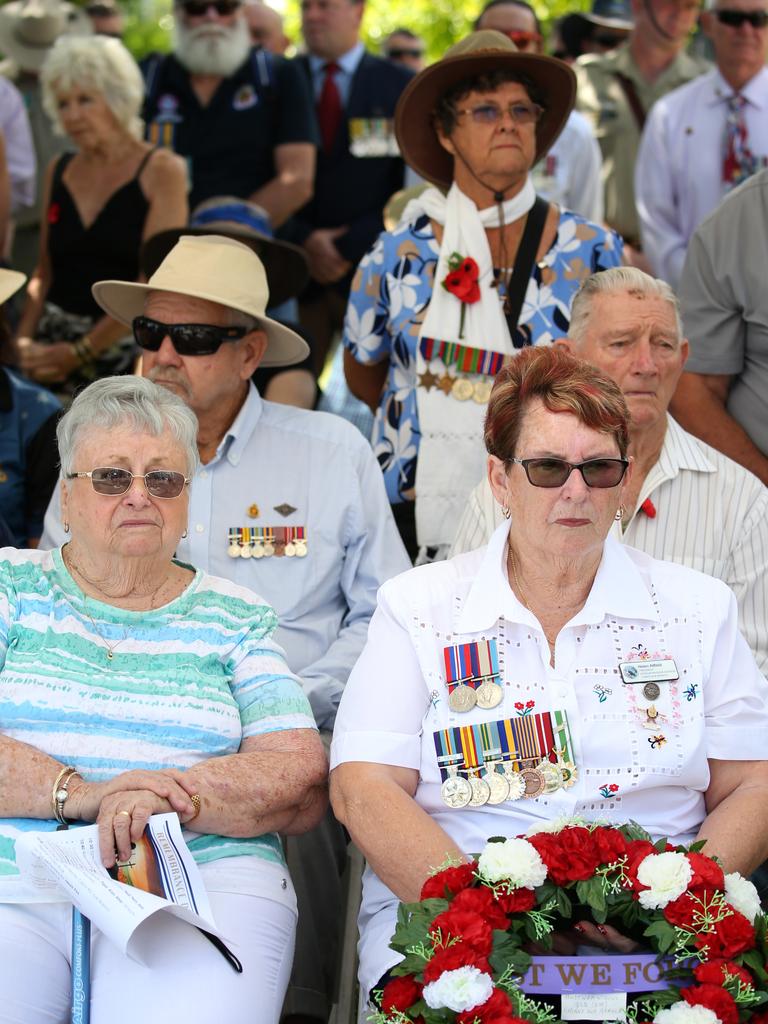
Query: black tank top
(109, 248)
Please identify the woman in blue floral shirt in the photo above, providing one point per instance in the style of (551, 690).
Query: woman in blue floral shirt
(424, 360)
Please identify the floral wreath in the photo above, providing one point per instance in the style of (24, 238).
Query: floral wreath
(463, 944)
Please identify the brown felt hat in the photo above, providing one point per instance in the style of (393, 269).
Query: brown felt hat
(477, 54)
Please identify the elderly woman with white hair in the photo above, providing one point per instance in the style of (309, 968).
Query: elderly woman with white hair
(131, 684)
(100, 203)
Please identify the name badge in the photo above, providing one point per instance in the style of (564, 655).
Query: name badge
(660, 670)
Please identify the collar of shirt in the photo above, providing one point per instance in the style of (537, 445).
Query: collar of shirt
(679, 452)
(676, 73)
(348, 63)
(241, 431)
(618, 588)
(755, 92)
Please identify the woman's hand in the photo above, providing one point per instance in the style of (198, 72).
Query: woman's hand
(46, 364)
(585, 933)
(122, 818)
(170, 785)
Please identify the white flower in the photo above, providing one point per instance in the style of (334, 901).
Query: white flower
(682, 1013)
(742, 895)
(458, 990)
(555, 825)
(667, 874)
(515, 861)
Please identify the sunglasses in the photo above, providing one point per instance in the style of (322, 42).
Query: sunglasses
(188, 339)
(161, 483)
(399, 54)
(197, 8)
(554, 472)
(735, 19)
(523, 39)
(490, 113)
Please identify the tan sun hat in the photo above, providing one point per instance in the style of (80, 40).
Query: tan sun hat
(477, 54)
(214, 268)
(29, 28)
(10, 282)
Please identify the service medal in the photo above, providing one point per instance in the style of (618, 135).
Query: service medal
(233, 550)
(246, 551)
(258, 550)
(499, 787)
(533, 781)
(515, 782)
(290, 549)
(462, 698)
(481, 791)
(462, 389)
(553, 780)
(489, 695)
(481, 391)
(651, 691)
(269, 549)
(301, 548)
(456, 791)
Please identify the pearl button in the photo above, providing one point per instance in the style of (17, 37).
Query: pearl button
(199, 528)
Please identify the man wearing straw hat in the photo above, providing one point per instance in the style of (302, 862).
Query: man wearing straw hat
(28, 29)
(288, 502)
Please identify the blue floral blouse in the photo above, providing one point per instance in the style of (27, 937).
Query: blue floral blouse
(390, 293)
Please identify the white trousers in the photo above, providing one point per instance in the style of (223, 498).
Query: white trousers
(188, 980)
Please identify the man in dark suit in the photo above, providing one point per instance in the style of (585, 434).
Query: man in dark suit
(358, 166)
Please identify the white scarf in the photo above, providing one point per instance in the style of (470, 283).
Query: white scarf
(451, 453)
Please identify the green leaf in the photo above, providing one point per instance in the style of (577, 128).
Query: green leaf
(664, 934)
(564, 905)
(660, 845)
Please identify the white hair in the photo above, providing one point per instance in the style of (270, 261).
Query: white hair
(127, 401)
(609, 282)
(100, 63)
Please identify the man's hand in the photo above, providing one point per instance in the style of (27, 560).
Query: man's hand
(46, 364)
(326, 264)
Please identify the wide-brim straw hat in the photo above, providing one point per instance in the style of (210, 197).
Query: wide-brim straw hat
(477, 54)
(10, 282)
(285, 264)
(215, 268)
(29, 28)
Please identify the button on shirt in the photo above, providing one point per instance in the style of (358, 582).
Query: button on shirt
(396, 698)
(323, 467)
(678, 177)
(711, 514)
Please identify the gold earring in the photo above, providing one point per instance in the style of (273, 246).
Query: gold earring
(505, 511)
(65, 524)
(620, 513)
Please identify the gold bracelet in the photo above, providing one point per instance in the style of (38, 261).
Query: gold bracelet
(195, 798)
(59, 792)
(87, 345)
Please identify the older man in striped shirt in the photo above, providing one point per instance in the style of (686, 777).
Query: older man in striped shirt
(689, 503)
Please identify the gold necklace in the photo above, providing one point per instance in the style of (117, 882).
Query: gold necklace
(513, 566)
(111, 647)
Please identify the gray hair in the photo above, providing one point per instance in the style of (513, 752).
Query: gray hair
(127, 401)
(102, 64)
(618, 279)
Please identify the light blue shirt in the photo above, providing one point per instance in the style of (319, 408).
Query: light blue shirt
(322, 466)
(343, 77)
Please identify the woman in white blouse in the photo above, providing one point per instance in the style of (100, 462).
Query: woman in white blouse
(553, 673)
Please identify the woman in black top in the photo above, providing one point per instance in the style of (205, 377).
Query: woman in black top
(100, 204)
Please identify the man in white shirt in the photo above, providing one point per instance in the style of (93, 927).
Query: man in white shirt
(569, 174)
(287, 502)
(705, 137)
(688, 502)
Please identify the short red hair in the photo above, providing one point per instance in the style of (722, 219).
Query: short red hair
(564, 384)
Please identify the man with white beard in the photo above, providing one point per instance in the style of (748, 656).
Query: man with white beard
(241, 116)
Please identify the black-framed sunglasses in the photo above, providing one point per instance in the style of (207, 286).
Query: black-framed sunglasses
(735, 19)
(492, 113)
(554, 472)
(161, 483)
(197, 8)
(188, 339)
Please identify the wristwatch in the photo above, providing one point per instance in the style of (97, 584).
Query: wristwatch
(61, 792)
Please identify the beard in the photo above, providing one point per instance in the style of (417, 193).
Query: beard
(212, 49)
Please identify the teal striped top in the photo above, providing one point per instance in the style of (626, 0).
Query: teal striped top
(187, 681)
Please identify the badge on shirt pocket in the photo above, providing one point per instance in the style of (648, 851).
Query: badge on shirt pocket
(372, 137)
(245, 98)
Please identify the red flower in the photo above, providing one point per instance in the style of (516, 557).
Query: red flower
(451, 879)
(461, 281)
(400, 993)
(731, 936)
(497, 1009)
(519, 901)
(715, 972)
(481, 901)
(471, 928)
(649, 508)
(449, 958)
(637, 851)
(570, 856)
(716, 999)
(609, 843)
(681, 912)
(707, 874)
(54, 212)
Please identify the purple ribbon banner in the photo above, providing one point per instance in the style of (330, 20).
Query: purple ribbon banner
(556, 975)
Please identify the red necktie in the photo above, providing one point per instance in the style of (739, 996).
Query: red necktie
(329, 107)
